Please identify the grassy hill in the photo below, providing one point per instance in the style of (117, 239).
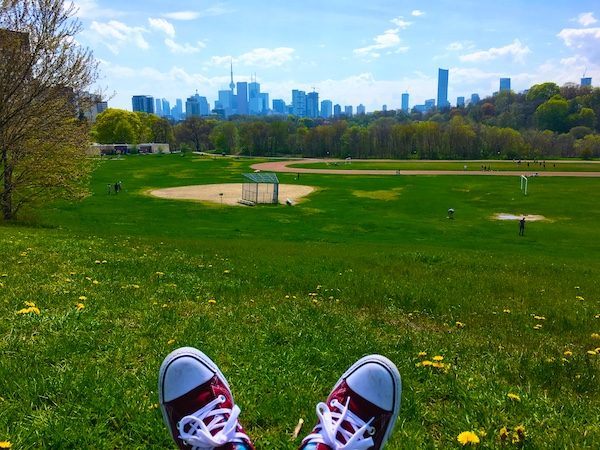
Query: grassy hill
(285, 298)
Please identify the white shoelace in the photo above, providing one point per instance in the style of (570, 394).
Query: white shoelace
(330, 424)
(200, 434)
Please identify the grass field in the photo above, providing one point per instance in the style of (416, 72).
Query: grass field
(524, 166)
(284, 299)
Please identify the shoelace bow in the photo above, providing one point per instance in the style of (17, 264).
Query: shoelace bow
(200, 434)
(330, 424)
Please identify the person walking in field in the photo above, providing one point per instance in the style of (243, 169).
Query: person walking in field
(198, 407)
(522, 227)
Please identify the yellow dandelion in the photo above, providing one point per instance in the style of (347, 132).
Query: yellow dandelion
(506, 311)
(426, 363)
(538, 326)
(104, 261)
(226, 271)
(468, 438)
(82, 298)
(460, 325)
(212, 301)
(315, 301)
(568, 353)
(421, 354)
(597, 316)
(31, 308)
(23, 253)
(88, 278)
(170, 341)
(514, 397)
(79, 306)
(72, 273)
(164, 305)
(97, 262)
(579, 297)
(438, 365)
(539, 317)
(159, 274)
(595, 336)
(4, 275)
(519, 434)
(5, 444)
(592, 352)
(503, 434)
(95, 282)
(287, 296)
(29, 304)
(438, 358)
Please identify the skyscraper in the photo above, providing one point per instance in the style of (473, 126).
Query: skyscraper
(442, 93)
(196, 105)
(361, 110)
(166, 107)
(177, 111)
(586, 81)
(337, 110)
(143, 103)
(254, 101)
(279, 106)
(312, 104)
(299, 103)
(348, 110)
(405, 102)
(264, 98)
(504, 84)
(158, 107)
(475, 99)
(460, 102)
(326, 109)
(242, 97)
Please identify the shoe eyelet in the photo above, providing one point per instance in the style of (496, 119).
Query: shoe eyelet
(222, 398)
(372, 431)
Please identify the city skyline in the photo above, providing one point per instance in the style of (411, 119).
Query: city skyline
(350, 52)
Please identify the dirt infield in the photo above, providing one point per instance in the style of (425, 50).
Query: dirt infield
(227, 194)
(528, 217)
(282, 166)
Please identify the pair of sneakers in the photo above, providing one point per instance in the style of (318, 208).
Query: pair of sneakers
(199, 410)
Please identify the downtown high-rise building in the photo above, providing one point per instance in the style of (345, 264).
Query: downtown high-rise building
(312, 105)
(504, 84)
(361, 110)
(166, 107)
(158, 107)
(475, 99)
(460, 102)
(586, 81)
(143, 103)
(196, 106)
(326, 109)
(299, 103)
(442, 92)
(348, 110)
(337, 110)
(255, 102)
(242, 98)
(177, 110)
(405, 102)
(279, 106)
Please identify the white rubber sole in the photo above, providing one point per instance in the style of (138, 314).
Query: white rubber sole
(394, 373)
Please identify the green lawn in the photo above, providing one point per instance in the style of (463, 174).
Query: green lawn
(524, 166)
(363, 265)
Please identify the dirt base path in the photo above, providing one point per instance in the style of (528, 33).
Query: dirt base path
(227, 194)
(282, 166)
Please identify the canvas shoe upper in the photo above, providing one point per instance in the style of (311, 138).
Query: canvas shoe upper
(197, 404)
(361, 410)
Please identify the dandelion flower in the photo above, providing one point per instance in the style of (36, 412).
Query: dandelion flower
(421, 354)
(468, 438)
(82, 298)
(506, 311)
(579, 297)
(503, 434)
(170, 341)
(592, 352)
(595, 336)
(79, 306)
(97, 262)
(95, 282)
(568, 353)
(539, 317)
(29, 304)
(438, 358)
(31, 308)
(135, 286)
(460, 325)
(159, 274)
(5, 444)
(438, 365)
(538, 326)
(226, 271)
(212, 301)
(426, 363)
(287, 296)
(514, 397)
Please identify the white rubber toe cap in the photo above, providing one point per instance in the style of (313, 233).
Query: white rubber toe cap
(376, 383)
(183, 374)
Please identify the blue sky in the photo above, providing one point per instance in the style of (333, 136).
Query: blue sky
(351, 52)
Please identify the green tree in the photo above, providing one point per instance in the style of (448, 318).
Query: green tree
(542, 92)
(225, 137)
(114, 126)
(42, 70)
(588, 147)
(195, 131)
(553, 115)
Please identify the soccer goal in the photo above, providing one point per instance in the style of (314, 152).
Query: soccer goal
(524, 184)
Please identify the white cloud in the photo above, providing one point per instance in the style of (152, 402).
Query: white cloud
(586, 41)
(401, 23)
(162, 25)
(417, 13)
(89, 9)
(460, 45)
(184, 48)
(217, 10)
(264, 57)
(516, 50)
(115, 35)
(388, 40)
(586, 19)
(182, 15)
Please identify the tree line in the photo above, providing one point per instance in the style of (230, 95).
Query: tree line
(547, 121)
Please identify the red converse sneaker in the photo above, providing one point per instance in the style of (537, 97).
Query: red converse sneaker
(361, 410)
(197, 404)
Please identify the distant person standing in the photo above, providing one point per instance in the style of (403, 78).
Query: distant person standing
(522, 227)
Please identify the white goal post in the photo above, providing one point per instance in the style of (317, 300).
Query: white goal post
(524, 184)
